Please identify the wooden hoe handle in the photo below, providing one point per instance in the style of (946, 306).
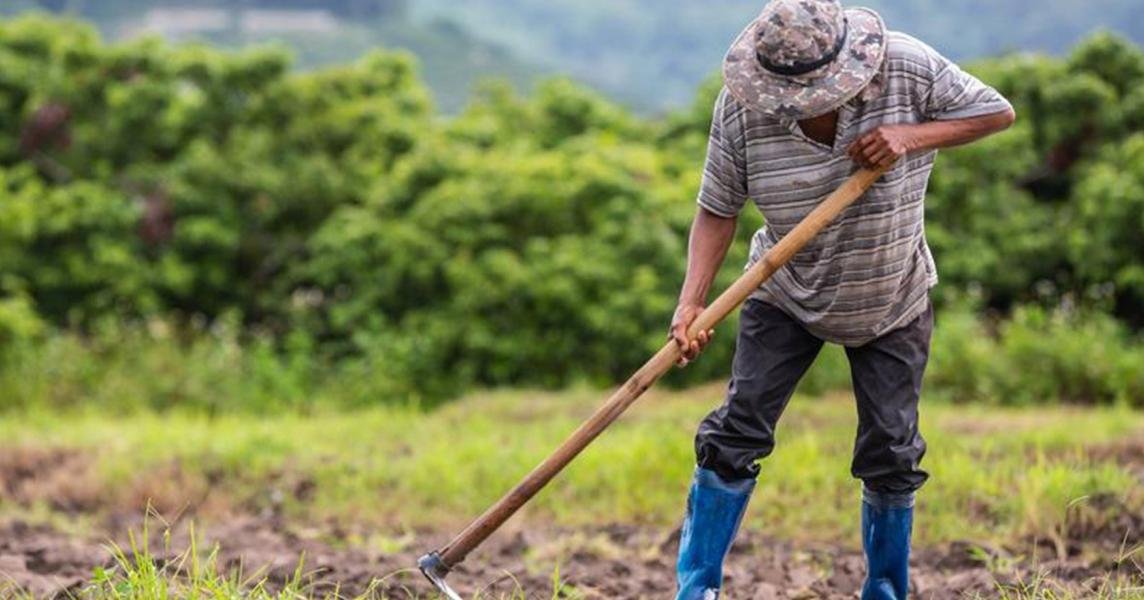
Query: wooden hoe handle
(456, 551)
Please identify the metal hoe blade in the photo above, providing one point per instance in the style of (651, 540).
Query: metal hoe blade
(435, 571)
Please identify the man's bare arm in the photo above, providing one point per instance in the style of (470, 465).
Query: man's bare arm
(711, 236)
(886, 144)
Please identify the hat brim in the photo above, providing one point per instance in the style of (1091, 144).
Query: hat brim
(815, 93)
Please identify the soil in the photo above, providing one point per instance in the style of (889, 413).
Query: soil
(608, 562)
(616, 561)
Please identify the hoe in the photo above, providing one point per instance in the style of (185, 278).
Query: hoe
(436, 565)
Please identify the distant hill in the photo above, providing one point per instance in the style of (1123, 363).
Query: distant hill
(319, 32)
(649, 54)
(653, 53)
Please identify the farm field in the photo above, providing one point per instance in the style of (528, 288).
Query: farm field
(1021, 501)
(269, 332)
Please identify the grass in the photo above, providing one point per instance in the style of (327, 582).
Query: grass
(138, 573)
(1042, 587)
(998, 474)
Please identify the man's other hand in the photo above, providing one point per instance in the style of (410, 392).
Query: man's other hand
(684, 315)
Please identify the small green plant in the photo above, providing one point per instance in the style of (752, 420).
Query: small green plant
(140, 574)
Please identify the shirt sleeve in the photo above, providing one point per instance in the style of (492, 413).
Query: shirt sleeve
(951, 93)
(723, 190)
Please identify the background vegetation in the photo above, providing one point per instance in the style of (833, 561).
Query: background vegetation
(169, 208)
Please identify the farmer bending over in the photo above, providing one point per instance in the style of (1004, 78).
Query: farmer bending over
(811, 90)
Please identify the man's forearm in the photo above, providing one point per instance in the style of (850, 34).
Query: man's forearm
(711, 236)
(886, 144)
(934, 135)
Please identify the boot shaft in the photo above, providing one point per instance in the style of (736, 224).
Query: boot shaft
(887, 523)
(715, 508)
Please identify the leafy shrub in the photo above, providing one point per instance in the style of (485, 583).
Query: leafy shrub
(1037, 356)
(1109, 223)
(155, 365)
(20, 327)
(330, 221)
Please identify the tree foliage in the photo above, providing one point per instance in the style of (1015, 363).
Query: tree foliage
(532, 240)
(1032, 215)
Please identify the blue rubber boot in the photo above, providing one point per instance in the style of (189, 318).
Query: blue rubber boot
(886, 523)
(715, 508)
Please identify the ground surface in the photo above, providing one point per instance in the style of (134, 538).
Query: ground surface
(1035, 499)
(606, 562)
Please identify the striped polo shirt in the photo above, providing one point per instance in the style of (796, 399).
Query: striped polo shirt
(870, 271)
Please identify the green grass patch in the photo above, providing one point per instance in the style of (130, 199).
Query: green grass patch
(998, 474)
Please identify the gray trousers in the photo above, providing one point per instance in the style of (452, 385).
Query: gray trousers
(773, 352)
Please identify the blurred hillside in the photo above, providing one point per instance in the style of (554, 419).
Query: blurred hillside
(317, 33)
(652, 53)
(648, 54)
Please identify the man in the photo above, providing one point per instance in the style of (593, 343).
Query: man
(810, 91)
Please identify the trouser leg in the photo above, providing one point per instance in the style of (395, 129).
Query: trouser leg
(772, 353)
(888, 449)
(887, 376)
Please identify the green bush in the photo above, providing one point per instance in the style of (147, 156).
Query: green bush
(156, 365)
(20, 328)
(1046, 211)
(1035, 357)
(331, 221)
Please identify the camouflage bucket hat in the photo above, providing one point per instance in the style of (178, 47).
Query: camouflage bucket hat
(804, 58)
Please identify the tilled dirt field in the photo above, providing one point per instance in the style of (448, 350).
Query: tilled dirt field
(606, 562)
(1103, 538)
